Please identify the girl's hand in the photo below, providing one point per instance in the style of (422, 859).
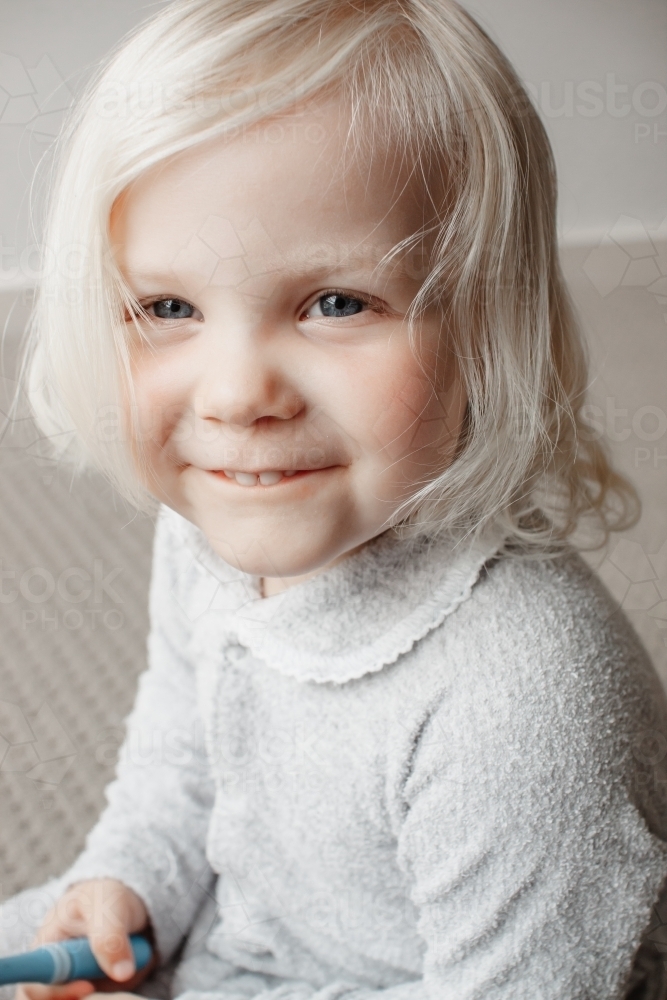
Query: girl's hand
(106, 912)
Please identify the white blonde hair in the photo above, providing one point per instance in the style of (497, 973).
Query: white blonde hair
(423, 76)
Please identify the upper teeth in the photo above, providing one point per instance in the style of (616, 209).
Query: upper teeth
(268, 478)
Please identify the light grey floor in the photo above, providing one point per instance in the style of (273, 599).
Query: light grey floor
(68, 669)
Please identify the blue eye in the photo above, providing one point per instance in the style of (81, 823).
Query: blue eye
(337, 304)
(172, 309)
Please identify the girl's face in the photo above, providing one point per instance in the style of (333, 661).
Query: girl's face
(280, 406)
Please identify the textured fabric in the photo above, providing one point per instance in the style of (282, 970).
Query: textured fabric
(413, 777)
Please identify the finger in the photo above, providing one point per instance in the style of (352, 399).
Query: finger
(65, 991)
(65, 919)
(114, 996)
(114, 954)
(109, 985)
(49, 933)
(112, 916)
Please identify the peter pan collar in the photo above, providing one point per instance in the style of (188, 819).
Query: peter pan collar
(347, 621)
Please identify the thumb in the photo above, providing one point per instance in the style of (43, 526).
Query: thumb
(113, 952)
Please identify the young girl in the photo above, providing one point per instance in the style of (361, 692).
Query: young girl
(394, 740)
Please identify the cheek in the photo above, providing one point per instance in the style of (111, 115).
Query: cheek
(389, 406)
(402, 420)
(407, 416)
(159, 397)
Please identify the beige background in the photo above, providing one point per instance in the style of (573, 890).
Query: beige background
(68, 670)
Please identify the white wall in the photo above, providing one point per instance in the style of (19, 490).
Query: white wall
(48, 48)
(611, 150)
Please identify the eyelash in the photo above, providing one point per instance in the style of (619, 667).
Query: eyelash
(365, 299)
(145, 306)
(327, 293)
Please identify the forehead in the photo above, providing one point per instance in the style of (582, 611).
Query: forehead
(296, 177)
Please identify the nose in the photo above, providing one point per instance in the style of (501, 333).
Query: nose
(244, 378)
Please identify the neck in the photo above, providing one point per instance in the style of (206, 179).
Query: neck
(269, 586)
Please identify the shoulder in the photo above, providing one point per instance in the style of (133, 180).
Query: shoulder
(541, 648)
(549, 597)
(552, 612)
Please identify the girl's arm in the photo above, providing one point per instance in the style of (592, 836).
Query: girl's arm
(151, 836)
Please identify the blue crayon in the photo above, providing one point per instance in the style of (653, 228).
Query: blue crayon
(63, 961)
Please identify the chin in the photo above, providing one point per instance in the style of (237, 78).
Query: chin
(273, 552)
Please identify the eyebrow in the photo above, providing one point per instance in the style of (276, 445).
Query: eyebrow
(325, 257)
(306, 261)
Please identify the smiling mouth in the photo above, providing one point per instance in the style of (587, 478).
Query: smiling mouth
(268, 477)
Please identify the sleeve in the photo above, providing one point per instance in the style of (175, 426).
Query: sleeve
(152, 833)
(520, 813)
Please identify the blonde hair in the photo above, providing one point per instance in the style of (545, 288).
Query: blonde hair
(423, 76)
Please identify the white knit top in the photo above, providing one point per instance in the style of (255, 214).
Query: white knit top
(409, 777)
